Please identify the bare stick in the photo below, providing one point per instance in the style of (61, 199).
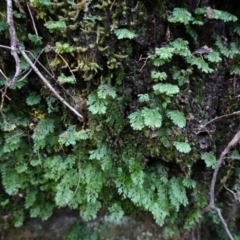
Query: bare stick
(224, 223)
(45, 81)
(28, 72)
(211, 205)
(5, 95)
(3, 74)
(220, 117)
(231, 144)
(14, 42)
(67, 65)
(33, 22)
(3, 46)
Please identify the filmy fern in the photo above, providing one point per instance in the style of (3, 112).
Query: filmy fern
(182, 147)
(177, 117)
(145, 118)
(122, 33)
(209, 159)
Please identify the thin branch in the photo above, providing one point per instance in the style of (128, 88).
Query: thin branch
(36, 60)
(5, 95)
(14, 42)
(33, 22)
(224, 223)
(45, 81)
(231, 144)
(211, 205)
(112, 5)
(3, 74)
(4, 92)
(144, 63)
(6, 47)
(67, 65)
(220, 117)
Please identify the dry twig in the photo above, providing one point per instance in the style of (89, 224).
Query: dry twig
(211, 205)
(14, 42)
(33, 22)
(220, 117)
(45, 81)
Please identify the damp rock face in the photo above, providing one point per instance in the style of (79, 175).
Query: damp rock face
(66, 224)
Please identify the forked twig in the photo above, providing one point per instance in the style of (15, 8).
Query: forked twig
(220, 117)
(211, 205)
(45, 81)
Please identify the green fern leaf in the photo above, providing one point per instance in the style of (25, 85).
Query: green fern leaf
(189, 183)
(200, 63)
(63, 48)
(68, 137)
(167, 88)
(192, 218)
(225, 16)
(180, 47)
(146, 117)
(33, 99)
(177, 193)
(136, 120)
(105, 90)
(55, 25)
(213, 57)
(177, 117)
(180, 15)
(96, 104)
(158, 76)
(99, 153)
(41, 131)
(209, 159)
(82, 134)
(152, 118)
(64, 79)
(143, 97)
(116, 212)
(122, 33)
(182, 147)
(165, 53)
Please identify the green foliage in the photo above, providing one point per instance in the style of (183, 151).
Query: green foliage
(168, 89)
(105, 90)
(64, 79)
(213, 57)
(193, 217)
(63, 47)
(180, 15)
(145, 118)
(33, 99)
(132, 145)
(230, 51)
(158, 76)
(116, 212)
(41, 131)
(96, 104)
(182, 147)
(177, 117)
(177, 193)
(53, 26)
(35, 39)
(201, 64)
(122, 33)
(209, 159)
(68, 137)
